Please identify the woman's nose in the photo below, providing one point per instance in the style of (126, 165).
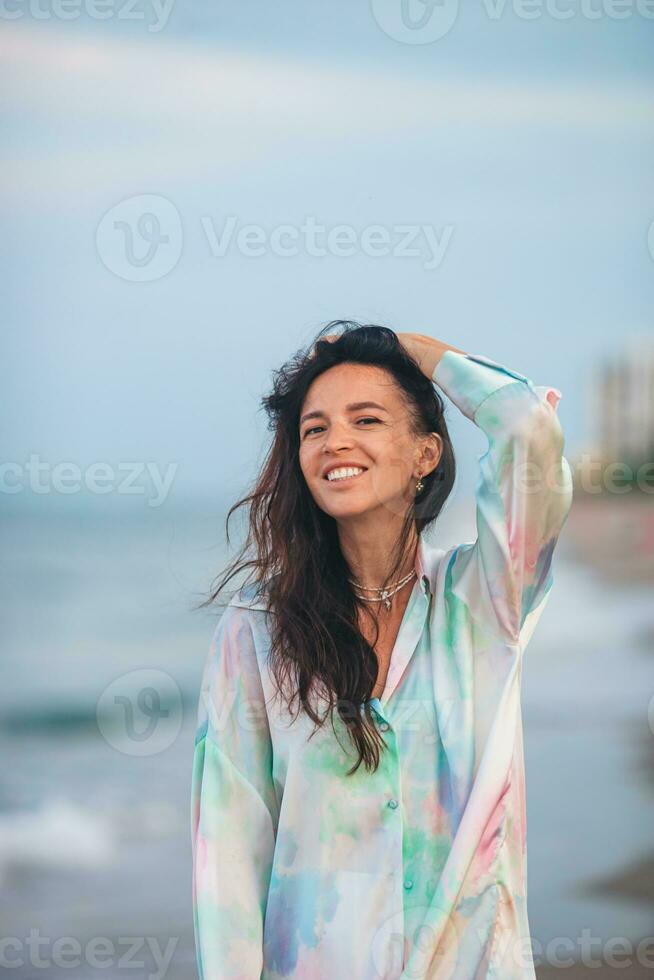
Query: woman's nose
(338, 437)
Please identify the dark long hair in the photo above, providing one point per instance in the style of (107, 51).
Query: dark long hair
(294, 545)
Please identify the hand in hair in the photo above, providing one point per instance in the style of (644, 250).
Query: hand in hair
(425, 351)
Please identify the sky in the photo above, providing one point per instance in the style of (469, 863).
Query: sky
(192, 190)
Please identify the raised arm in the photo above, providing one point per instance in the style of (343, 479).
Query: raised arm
(524, 491)
(233, 807)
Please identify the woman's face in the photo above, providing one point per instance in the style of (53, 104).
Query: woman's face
(358, 418)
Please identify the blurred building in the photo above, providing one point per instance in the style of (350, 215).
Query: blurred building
(625, 412)
(622, 413)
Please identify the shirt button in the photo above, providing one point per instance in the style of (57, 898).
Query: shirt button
(392, 804)
(408, 884)
(384, 726)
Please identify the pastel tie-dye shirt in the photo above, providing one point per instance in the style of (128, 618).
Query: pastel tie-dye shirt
(417, 870)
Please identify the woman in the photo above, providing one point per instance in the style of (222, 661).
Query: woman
(358, 779)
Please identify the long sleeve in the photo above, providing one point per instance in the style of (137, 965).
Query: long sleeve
(523, 495)
(233, 807)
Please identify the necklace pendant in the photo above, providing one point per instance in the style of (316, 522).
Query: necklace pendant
(387, 603)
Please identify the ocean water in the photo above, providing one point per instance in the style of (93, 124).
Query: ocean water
(94, 826)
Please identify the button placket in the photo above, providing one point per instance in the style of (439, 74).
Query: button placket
(390, 809)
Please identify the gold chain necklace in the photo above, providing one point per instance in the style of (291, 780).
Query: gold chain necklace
(383, 594)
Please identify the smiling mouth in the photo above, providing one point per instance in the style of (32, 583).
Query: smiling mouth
(345, 480)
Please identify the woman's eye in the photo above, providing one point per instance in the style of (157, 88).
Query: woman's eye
(316, 428)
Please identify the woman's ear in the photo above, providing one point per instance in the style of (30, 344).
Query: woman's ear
(432, 450)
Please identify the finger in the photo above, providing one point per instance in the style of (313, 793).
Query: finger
(331, 337)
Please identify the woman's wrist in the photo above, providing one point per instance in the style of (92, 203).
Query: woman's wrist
(426, 351)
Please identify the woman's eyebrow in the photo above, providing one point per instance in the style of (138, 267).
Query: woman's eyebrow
(352, 407)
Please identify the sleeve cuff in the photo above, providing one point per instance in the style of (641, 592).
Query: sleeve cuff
(468, 379)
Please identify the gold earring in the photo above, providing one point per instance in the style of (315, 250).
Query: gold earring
(419, 485)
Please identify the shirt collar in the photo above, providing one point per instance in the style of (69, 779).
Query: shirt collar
(423, 565)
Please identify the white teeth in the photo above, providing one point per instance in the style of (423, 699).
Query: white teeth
(344, 472)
